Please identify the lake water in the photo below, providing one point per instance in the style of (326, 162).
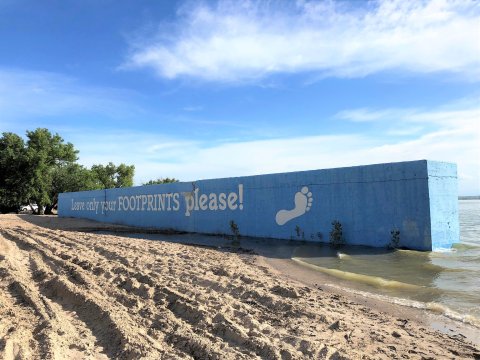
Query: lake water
(446, 282)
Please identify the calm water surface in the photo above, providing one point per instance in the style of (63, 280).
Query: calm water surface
(447, 281)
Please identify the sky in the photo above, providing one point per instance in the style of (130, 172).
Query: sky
(206, 89)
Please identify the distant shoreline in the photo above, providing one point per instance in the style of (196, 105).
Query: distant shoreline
(474, 197)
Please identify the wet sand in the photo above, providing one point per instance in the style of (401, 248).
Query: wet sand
(69, 292)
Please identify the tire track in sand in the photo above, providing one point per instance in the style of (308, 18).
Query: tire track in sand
(56, 333)
(180, 335)
(246, 301)
(188, 316)
(186, 308)
(17, 321)
(201, 303)
(66, 286)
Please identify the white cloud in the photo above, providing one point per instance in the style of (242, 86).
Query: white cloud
(34, 94)
(450, 139)
(450, 133)
(402, 130)
(444, 116)
(450, 116)
(369, 115)
(31, 99)
(189, 160)
(193, 108)
(241, 41)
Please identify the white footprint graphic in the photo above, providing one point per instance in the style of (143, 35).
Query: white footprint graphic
(303, 202)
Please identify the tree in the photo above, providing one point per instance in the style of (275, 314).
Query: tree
(161, 181)
(44, 166)
(111, 176)
(44, 153)
(70, 177)
(14, 190)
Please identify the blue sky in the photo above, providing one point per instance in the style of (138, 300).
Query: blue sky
(197, 90)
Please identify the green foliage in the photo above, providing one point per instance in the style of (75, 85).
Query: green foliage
(70, 178)
(336, 234)
(235, 230)
(161, 181)
(300, 233)
(112, 176)
(44, 166)
(45, 152)
(14, 190)
(26, 168)
(395, 239)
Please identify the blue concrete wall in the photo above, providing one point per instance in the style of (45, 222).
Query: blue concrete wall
(443, 195)
(418, 198)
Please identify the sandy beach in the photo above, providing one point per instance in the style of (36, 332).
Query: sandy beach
(67, 292)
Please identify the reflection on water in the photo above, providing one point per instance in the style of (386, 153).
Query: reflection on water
(446, 279)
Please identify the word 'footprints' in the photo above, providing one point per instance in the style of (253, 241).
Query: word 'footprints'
(303, 202)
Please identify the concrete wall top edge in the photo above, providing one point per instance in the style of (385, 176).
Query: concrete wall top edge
(394, 171)
(441, 169)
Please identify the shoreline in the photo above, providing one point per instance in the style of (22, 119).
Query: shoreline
(302, 274)
(286, 267)
(133, 297)
(276, 260)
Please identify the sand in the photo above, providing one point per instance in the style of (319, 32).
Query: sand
(67, 292)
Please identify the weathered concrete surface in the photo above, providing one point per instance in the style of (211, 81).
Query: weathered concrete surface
(418, 199)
